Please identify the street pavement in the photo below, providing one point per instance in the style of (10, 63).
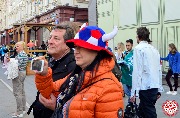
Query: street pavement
(8, 103)
(7, 99)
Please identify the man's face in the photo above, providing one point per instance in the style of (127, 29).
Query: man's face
(56, 44)
(129, 46)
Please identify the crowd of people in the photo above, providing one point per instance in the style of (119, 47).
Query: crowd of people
(78, 80)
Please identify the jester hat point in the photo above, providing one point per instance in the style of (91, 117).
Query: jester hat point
(92, 38)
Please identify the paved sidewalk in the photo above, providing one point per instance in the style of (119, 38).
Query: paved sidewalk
(161, 100)
(8, 103)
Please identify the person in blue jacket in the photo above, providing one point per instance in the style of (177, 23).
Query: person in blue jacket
(174, 68)
(3, 48)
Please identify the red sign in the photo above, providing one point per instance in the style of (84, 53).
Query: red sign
(170, 108)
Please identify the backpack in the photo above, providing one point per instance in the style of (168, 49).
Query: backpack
(131, 111)
(116, 71)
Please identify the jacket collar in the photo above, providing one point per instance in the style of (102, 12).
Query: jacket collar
(141, 42)
(105, 67)
(53, 61)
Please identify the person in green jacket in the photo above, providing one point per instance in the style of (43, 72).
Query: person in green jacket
(127, 68)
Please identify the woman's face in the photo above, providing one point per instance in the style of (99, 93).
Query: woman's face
(19, 47)
(84, 57)
(118, 46)
(170, 49)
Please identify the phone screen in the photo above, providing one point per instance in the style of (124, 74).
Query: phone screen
(37, 65)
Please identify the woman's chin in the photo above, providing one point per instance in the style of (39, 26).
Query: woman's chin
(78, 63)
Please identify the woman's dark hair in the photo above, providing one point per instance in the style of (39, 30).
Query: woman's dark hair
(173, 48)
(93, 67)
(143, 33)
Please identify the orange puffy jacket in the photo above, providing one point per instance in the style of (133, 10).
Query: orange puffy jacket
(100, 100)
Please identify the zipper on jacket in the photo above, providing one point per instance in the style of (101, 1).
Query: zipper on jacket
(67, 107)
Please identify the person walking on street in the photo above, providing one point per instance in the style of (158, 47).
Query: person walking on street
(127, 68)
(91, 90)
(5, 57)
(3, 51)
(146, 80)
(174, 68)
(18, 82)
(62, 64)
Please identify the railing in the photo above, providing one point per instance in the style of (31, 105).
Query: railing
(30, 52)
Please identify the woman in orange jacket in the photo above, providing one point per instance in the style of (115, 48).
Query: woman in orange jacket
(91, 90)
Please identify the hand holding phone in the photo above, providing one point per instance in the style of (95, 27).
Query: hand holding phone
(37, 65)
(44, 67)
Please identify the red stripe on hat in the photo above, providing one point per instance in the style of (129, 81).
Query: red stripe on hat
(96, 34)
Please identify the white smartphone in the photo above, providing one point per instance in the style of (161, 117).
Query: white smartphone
(37, 65)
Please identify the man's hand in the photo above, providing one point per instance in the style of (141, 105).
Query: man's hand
(45, 68)
(132, 99)
(158, 95)
(49, 103)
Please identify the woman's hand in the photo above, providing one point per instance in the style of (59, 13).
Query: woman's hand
(7, 59)
(49, 103)
(45, 68)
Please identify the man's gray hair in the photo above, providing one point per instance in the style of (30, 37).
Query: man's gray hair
(70, 27)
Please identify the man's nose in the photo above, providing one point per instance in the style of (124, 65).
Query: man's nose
(50, 40)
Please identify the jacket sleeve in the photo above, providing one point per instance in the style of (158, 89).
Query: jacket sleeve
(166, 58)
(128, 65)
(46, 86)
(110, 101)
(178, 63)
(137, 72)
(175, 63)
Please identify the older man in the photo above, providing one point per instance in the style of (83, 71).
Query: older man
(62, 63)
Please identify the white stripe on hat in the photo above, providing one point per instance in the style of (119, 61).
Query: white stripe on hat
(93, 41)
(76, 36)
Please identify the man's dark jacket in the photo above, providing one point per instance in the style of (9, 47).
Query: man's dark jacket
(60, 69)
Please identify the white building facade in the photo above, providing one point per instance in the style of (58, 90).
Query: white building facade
(19, 11)
(38, 11)
(161, 17)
